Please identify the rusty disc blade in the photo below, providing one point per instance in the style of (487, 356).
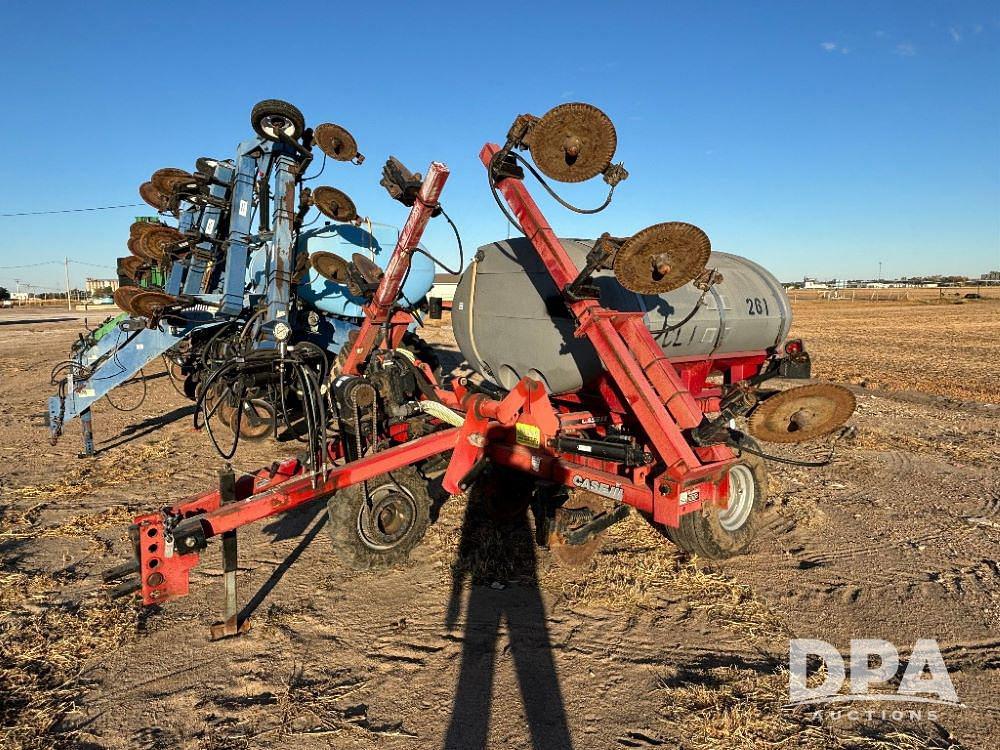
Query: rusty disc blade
(155, 198)
(330, 266)
(573, 142)
(151, 304)
(575, 555)
(123, 297)
(220, 414)
(135, 248)
(802, 413)
(368, 269)
(158, 243)
(256, 420)
(130, 266)
(136, 228)
(662, 257)
(224, 413)
(335, 141)
(334, 204)
(176, 371)
(169, 179)
(136, 233)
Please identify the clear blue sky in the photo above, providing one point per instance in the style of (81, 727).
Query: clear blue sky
(816, 138)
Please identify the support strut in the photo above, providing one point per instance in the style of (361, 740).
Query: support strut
(230, 624)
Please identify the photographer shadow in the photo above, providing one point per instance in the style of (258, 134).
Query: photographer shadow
(500, 563)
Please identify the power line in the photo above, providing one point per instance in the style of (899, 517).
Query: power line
(73, 210)
(92, 265)
(32, 265)
(58, 262)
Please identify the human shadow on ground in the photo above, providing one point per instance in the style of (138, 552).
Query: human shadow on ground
(500, 562)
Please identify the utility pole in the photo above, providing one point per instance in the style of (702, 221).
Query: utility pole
(69, 302)
(880, 270)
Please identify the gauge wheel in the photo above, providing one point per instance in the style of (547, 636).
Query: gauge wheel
(273, 116)
(257, 419)
(716, 533)
(381, 529)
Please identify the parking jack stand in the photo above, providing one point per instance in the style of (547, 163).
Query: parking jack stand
(87, 424)
(230, 624)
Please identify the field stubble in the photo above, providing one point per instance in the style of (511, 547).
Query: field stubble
(945, 348)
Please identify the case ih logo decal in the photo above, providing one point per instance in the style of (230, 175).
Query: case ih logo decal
(615, 492)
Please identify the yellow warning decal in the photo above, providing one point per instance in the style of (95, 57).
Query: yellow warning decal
(528, 434)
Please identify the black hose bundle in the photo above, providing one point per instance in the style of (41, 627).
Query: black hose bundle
(291, 369)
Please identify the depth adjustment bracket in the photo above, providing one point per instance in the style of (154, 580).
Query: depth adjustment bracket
(738, 402)
(505, 166)
(582, 287)
(403, 185)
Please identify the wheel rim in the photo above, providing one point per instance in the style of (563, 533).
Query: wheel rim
(742, 494)
(387, 518)
(273, 124)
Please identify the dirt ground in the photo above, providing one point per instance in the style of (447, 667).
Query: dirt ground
(481, 641)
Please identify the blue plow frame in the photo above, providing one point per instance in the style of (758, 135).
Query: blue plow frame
(119, 356)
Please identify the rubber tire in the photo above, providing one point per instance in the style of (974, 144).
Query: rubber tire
(202, 165)
(700, 533)
(423, 352)
(277, 107)
(345, 506)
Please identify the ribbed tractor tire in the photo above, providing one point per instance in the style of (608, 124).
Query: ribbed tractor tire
(363, 536)
(276, 108)
(423, 351)
(718, 534)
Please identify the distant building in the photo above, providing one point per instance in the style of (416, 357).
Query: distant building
(93, 286)
(444, 286)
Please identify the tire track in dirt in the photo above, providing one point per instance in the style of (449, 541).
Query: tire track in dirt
(982, 577)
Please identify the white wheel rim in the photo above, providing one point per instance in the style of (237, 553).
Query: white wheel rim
(271, 124)
(403, 509)
(742, 494)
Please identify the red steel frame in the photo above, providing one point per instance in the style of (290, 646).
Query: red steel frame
(379, 310)
(663, 397)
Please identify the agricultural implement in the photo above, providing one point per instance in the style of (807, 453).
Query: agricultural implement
(215, 288)
(644, 431)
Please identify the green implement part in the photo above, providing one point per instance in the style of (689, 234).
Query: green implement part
(108, 326)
